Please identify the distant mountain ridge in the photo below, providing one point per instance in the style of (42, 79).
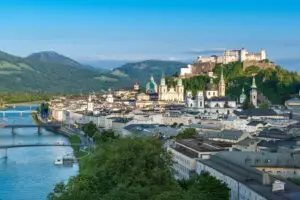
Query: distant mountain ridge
(49, 71)
(54, 58)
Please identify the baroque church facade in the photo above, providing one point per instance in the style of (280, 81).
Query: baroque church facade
(171, 94)
(212, 100)
(165, 93)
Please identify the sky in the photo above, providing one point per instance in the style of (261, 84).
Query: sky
(152, 29)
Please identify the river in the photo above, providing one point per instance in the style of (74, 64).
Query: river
(29, 173)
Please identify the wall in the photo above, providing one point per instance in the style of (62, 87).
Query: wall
(261, 65)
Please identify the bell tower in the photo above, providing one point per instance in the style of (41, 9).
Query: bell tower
(222, 85)
(180, 90)
(253, 93)
(163, 89)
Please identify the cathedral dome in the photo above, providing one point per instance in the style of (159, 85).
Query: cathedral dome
(211, 87)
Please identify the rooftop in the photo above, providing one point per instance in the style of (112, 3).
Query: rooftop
(252, 178)
(256, 112)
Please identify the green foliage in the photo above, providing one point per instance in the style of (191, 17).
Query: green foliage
(187, 133)
(133, 168)
(90, 129)
(276, 84)
(264, 106)
(247, 104)
(20, 97)
(205, 187)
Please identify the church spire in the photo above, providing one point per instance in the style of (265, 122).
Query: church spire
(253, 86)
(222, 84)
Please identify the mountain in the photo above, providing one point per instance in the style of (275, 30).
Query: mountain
(53, 58)
(105, 64)
(47, 72)
(141, 71)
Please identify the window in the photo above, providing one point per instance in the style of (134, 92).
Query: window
(267, 161)
(257, 161)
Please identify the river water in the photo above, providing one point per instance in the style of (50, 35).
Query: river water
(29, 173)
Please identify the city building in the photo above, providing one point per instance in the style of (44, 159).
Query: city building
(186, 152)
(171, 94)
(151, 86)
(253, 93)
(205, 65)
(246, 182)
(212, 100)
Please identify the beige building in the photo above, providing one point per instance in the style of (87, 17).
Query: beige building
(171, 94)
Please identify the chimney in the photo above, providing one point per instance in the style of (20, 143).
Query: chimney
(266, 178)
(278, 186)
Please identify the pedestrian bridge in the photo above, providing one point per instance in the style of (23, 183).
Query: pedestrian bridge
(38, 126)
(37, 145)
(21, 112)
(6, 147)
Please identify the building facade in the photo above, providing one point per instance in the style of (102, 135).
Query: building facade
(171, 94)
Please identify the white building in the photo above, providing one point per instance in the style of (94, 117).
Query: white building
(234, 56)
(90, 105)
(172, 94)
(245, 182)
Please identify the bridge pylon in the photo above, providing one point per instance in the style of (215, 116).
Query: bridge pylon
(13, 131)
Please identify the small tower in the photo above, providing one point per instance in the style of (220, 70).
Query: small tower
(110, 97)
(136, 86)
(263, 54)
(222, 86)
(90, 105)
(189, 100)
(253, 93)
(243, 96)
(243, 56)
(163, 89)
(180, 90)
(200, 99)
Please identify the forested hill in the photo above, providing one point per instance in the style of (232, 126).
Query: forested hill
(49, 71)
(276, 85)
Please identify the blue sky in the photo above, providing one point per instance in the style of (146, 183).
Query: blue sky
(138, 29)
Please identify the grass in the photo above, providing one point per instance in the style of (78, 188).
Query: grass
(75, 140)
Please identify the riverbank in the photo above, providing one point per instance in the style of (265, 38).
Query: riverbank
(35, 118)
(28, 103)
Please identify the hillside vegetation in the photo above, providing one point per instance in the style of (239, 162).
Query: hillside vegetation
(276, 85)
(49, 71)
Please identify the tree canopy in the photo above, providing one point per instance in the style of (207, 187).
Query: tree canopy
(134, 169)
(276, 84)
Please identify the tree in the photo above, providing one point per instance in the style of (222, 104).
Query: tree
(187, 133)
(133, 168)
(264, 106)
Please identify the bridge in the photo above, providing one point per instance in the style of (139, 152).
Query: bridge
(21, 112)
(6, 147)
(39, 126)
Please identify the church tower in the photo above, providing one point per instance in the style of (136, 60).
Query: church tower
(180, 90)
(200, 99)
(243, 96)
(90, 105)
(253, 93)
(222, 85)
(163, 89)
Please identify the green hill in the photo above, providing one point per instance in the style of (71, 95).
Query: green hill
(141, 71)
(276, 85)
(38, 73)
(51, 72)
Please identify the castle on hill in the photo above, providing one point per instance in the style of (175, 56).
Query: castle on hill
(205, 65)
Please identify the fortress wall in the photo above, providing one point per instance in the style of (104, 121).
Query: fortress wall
(262, 65)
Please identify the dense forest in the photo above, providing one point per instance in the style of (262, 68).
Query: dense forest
(276, 85)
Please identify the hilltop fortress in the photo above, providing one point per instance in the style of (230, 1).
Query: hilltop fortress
(205, 65)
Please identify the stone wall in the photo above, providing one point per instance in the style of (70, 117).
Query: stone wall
(260, 64)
